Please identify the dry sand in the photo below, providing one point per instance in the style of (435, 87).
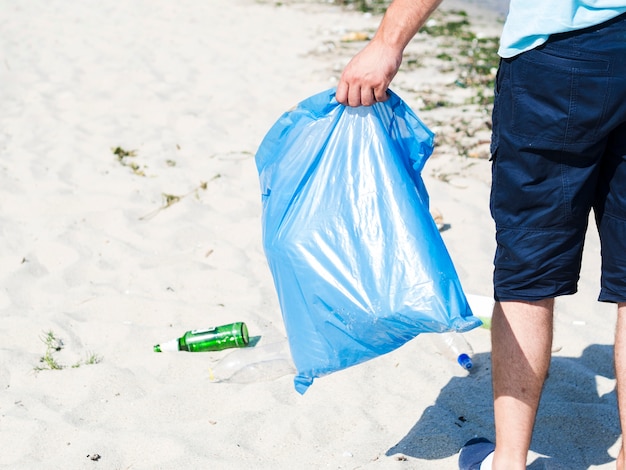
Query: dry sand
(112, 254)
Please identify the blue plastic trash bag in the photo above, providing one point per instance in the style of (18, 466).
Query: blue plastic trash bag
(358, 263)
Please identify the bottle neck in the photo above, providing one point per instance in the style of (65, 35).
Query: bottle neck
(171, 345)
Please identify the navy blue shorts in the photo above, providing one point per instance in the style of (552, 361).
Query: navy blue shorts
(558, 151)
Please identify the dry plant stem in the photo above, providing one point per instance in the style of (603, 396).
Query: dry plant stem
(171, 199)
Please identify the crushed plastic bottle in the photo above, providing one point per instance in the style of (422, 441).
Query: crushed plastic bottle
(254, 364)
(455, 347)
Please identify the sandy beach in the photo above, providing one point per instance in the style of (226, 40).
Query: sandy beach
(130, 212)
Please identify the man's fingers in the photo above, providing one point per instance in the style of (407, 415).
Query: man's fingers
(355, 95)
(380, 95)
(341, 94)
(367, 97)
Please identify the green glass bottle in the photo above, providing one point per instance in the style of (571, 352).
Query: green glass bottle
(233, 335)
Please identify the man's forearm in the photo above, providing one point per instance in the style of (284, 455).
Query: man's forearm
(403, 20)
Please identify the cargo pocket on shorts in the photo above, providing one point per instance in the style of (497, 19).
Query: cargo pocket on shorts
(558, 101)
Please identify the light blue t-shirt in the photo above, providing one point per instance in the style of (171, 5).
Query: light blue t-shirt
(530, 22)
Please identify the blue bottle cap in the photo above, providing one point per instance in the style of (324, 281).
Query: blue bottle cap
(465, 361)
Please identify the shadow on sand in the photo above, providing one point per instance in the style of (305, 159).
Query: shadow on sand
(577, 421)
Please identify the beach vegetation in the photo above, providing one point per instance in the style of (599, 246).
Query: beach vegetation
(54, 344)
(168, 200)
(48, 360)
(411, 62)
(125, 156)
(445, 56)
(452, 28)
(90, 359)
(476, 55)
(366, 6)
(470, 58)
(430, 104)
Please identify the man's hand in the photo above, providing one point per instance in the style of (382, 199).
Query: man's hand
(367, 76)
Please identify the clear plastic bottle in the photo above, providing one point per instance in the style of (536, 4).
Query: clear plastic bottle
(254, 364)
(454, 346)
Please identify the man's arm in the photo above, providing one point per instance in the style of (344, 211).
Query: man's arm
(366, 78)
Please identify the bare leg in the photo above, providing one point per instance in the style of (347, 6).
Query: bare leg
(521, 335)
(620, 375)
